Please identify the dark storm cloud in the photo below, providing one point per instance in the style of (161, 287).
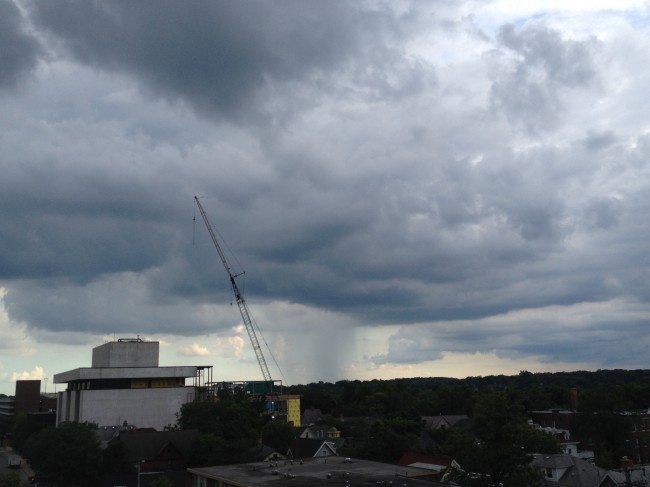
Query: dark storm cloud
(216, 55)
(566, 338)
(395, 184)
(19, 51)
(80, 224)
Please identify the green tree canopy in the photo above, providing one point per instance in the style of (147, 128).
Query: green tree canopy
(161, 482)
(279, 436)
(229, 429)
(10, 479)
(68, 455)
(498, 446)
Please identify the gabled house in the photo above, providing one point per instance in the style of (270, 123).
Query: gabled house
(157, 450)
(634, 477)
(321, 432)
(317, 431)
(562, 470)
(311, 448)
(443, 422)
(265, 453)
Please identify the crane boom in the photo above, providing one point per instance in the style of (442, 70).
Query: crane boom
(241, 302)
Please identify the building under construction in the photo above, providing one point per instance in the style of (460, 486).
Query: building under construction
(284, 408)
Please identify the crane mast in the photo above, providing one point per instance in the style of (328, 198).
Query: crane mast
(241, 302)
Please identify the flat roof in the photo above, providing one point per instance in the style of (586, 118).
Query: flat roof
(91, 373)
(314, 472)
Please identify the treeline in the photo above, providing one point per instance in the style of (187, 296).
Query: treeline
(599, 391)
(381, 420)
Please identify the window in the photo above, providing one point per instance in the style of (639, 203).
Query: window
(549, 473)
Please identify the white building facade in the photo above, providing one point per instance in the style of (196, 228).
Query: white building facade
(125, 385)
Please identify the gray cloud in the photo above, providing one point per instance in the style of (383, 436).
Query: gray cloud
(224, 58)
(20, 51)
(378, 165)
(542, 68)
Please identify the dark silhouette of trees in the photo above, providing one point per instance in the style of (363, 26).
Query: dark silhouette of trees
(278, 436)
(67, 455)
(10, 479)
(229, 429)
(381, 419)
(496, 448)
(599, 391)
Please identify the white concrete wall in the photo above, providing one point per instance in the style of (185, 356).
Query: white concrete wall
(126, 354)
(66, 406)
(143, 408)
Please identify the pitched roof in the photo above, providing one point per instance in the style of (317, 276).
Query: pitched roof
(434, 422)
(425, 461)
(576, 472)
(309, 447)
(150, 445)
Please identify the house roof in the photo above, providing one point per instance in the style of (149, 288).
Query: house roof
(559, 460)
(577, 472)
(425, 461)
(149, 445)
(637, 476)
(309, 447)
(261, 452)
(434, 422)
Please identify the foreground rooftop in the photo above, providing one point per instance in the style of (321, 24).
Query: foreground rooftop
(313, 472)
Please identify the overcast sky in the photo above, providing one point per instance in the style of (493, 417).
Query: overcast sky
(427, 188)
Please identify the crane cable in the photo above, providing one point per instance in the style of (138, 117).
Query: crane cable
(277, 366)
(243, 272)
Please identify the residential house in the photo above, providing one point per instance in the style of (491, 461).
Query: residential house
(311, 448)
(317, 431)
(322, 432)
(562, 470)
(443, 422)
(566, 442)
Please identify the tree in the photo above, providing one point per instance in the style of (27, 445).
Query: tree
(161, 482)
(10, 479)
(278, 436)
(391, 438)
(114, 458)
(208, 449)
(68, 455)
(228, 428)
(505, 441)
(497, 449)
(20, 431)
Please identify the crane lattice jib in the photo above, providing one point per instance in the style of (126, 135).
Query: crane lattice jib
(241, 302)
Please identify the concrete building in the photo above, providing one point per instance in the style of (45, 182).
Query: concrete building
(126, 385)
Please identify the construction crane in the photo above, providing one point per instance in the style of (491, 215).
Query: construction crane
(241, 302)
